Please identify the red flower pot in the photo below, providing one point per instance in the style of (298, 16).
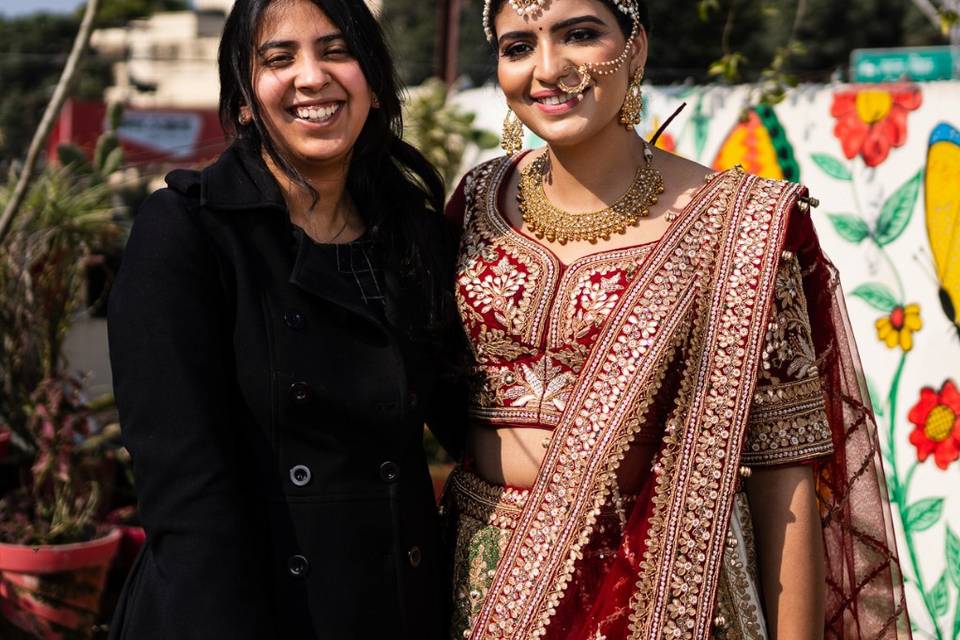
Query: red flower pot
(53, 591)
(132, 539)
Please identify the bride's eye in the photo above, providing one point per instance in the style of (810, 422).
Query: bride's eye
(516, 50)
(582, 34)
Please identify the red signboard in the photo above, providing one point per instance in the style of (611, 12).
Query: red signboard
(184, 137)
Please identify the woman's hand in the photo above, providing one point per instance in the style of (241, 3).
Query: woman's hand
(786, 522)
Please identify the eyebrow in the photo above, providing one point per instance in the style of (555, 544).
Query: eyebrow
(559, 26)
(292, 44)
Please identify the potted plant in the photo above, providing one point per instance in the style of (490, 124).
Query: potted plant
(53, 556)
(53, 553)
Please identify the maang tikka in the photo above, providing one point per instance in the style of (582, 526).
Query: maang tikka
(587, 72)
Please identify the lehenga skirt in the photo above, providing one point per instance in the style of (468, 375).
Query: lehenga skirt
(481, 517)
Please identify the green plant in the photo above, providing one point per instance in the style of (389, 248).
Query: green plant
(62, 497)
(68, 214)
(441, 130)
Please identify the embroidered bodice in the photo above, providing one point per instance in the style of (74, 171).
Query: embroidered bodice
(532, 320)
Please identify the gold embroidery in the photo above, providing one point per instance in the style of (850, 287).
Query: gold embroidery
(510, 282)
(788, 352)
(696, 469)
(637, 343)
(788, 421)
(738, 593)
(686, 542)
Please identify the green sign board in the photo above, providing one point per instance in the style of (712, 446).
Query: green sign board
(909, 63)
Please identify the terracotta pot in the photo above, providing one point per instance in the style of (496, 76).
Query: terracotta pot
(133, 536)
(53, 591)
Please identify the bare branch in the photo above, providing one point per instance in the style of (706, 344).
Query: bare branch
(930, 10)
(49, 117)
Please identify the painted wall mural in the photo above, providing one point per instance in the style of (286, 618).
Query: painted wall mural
(884, 161)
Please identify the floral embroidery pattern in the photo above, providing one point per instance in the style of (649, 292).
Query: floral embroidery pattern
(897, 328)
(509, 291)
(937, 424)
(871, 121)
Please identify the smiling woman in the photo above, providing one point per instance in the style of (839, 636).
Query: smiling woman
(651, 450)
(281, 329)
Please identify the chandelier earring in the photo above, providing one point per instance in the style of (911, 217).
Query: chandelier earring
(631, 113)
(512, 137)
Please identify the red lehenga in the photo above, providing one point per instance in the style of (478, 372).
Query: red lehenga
(725, 343)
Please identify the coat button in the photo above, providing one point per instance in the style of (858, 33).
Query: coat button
(298, 566)
(294, 320)
(413, 401)
(389, 471)
(414, 556)
(300, 475)
(300, 393)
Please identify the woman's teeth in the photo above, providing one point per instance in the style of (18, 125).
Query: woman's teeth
(317, 114)
(561, 99)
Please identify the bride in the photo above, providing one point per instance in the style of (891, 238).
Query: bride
(668, 435)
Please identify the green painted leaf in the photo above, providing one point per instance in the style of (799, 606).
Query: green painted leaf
(897, 211)
(953, 557)
(923, 514)
(833, 167)
(849, 227)
(939, 596)
(877, 296)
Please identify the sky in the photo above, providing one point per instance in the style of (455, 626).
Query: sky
(22, 7)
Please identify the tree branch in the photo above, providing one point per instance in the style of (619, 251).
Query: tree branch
(930, 10)
(49, 117)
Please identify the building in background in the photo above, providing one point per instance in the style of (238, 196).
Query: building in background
(168, 59)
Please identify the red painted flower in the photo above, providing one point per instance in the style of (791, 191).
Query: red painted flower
(937, 421)
(872, 120)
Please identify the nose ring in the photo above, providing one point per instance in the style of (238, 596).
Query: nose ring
(583, 74)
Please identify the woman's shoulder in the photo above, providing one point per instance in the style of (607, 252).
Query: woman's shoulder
(786, 202)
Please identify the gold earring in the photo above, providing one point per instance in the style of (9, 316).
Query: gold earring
(512, 138)
(631, 113)
(244, 118)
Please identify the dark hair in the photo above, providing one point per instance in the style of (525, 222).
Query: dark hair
(625, 21)
(388, 179)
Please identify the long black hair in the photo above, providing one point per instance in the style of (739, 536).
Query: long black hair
(625, 21)
(390, 182)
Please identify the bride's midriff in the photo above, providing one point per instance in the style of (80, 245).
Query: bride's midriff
(513, 455)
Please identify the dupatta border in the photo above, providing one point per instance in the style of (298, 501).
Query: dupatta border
(618, 377)
(697, 475)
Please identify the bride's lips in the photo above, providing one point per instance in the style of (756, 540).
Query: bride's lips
(556, 102)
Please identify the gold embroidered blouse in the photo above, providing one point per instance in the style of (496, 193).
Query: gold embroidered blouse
(531, 322)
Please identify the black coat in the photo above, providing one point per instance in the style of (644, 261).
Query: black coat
(275, 424)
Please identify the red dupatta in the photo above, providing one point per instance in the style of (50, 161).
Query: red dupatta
(704, 293)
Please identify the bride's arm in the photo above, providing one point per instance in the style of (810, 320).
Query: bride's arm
(789, 548)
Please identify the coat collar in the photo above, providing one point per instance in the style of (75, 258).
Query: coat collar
(239, 181)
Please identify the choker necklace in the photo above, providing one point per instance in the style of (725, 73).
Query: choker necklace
(556, 225)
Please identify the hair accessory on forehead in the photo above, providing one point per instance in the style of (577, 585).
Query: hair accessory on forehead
(532, 7)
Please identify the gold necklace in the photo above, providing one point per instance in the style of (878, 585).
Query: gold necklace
(556, 225)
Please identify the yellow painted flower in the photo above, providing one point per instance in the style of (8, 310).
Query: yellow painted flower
(897, 328)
